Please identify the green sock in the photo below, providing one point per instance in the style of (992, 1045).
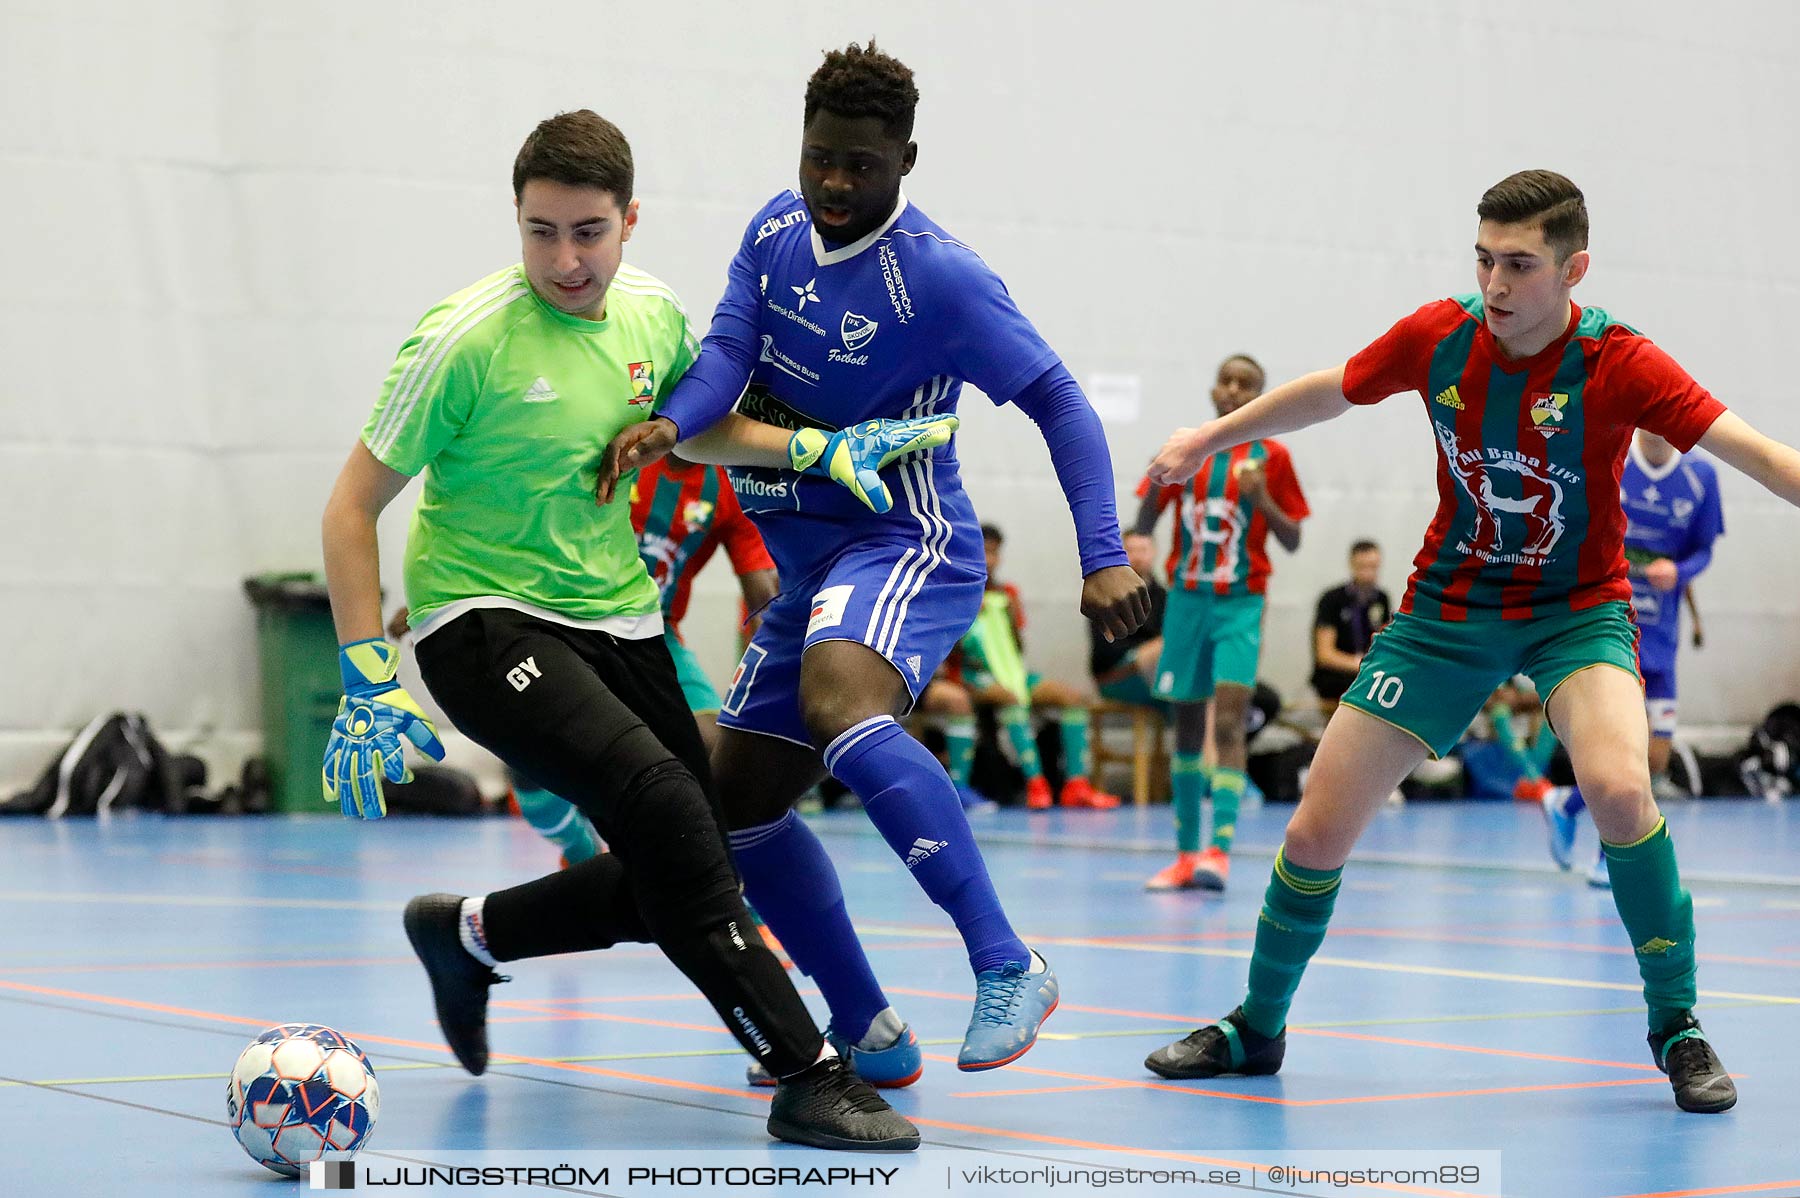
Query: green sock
(1659, 916)
(959, 746)
(1543, 749)
(1507, 737)
(1227, 793)
(558, 821)
(1296, 908)
(1017, 722)
(1188, 782)
(1074, 726)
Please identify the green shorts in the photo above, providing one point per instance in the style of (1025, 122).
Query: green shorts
(1430, 677)
(980, 680)
(1208, 639)
(696, 688)
(1131, 689)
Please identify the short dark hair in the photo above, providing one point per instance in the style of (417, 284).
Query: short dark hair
(1363, 546)
(1248, 360)
(858, 81)
(991, 532)
(1546, 197)
(580, 149)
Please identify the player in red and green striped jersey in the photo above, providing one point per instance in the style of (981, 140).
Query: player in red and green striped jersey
(683, 511)
(1212, 628)
(1533, 401)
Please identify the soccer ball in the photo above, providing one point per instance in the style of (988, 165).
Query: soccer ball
(299, 1093)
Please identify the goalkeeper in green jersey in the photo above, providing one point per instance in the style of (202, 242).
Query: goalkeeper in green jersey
(540, 634)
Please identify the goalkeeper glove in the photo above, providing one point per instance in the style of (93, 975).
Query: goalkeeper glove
(853, 456)
(365, 738)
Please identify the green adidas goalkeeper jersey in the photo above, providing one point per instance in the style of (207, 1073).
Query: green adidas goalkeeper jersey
(505, 404)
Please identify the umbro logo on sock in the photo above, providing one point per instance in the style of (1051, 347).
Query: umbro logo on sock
(923, 848)
(540, 392)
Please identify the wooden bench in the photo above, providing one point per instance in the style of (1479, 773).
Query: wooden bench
(1149, 755)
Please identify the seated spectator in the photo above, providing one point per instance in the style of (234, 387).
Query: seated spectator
(1347, 619)
(1125, 670)
(992, 667)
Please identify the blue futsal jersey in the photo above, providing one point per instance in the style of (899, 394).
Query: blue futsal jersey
(892, 325)
(1671, 511)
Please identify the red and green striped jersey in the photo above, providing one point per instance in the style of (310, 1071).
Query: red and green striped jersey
(681, 516)
(1221, 537)
(1530, 454)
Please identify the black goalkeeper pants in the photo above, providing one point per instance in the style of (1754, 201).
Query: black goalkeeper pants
(602, 722)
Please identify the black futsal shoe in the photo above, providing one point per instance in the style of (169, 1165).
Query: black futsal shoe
(1699, 1080)
(459, 983)
(1229, 1046)
(828, 1106)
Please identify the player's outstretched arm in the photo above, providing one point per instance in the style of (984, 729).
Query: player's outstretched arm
(734, 440)
(1308, 400)
(852, 457)
(1768, 461)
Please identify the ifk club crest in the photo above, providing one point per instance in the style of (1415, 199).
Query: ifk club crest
(857, 331)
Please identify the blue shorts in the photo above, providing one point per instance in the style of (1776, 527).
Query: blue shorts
(904, 598)
(1659, 695)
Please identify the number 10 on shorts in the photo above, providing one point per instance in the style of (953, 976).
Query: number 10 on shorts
(1385, 689)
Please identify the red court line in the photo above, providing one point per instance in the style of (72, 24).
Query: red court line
(1618, 950)
(559, 1002)
(1749, 1189)
(1163, 1016)
(1437, 931)
(372, 1038)
(1199, 1092)
(577, 1067)
(1083, 1089)
(608, 1017)
(151, 966)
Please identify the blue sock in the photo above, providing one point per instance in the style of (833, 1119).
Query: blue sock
(795, 889)
(1574, 804)
(912, 803)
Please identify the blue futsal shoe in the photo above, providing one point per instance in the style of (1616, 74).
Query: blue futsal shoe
(1010, 1004)
(1560, 826)
(1599, 876)
(898, 1065)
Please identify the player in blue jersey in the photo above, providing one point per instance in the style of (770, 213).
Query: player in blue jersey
(845, 302)
(1673, 516)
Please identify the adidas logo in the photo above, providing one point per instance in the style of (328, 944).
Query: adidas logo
(912, 663)
(540, 392)
(923, 848)
(1449, 397)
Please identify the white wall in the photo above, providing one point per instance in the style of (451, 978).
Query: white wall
(219, 220)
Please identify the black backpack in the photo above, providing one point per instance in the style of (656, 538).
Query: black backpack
(1770, 763)
(113, 763)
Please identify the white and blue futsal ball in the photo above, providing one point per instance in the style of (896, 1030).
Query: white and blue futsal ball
(301, 1092)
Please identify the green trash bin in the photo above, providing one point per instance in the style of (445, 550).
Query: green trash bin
(297, 650)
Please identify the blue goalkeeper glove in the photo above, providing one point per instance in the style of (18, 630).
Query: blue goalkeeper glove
(365, 738)
(853, 457)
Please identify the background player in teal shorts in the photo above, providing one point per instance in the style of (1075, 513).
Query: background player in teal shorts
(1522, 571)
(1212, 627)
(991, 665)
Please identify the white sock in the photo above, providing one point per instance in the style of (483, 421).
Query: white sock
(469, 931)
(884, 1031)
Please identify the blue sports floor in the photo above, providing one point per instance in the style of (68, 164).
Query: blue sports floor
(1469, 997)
